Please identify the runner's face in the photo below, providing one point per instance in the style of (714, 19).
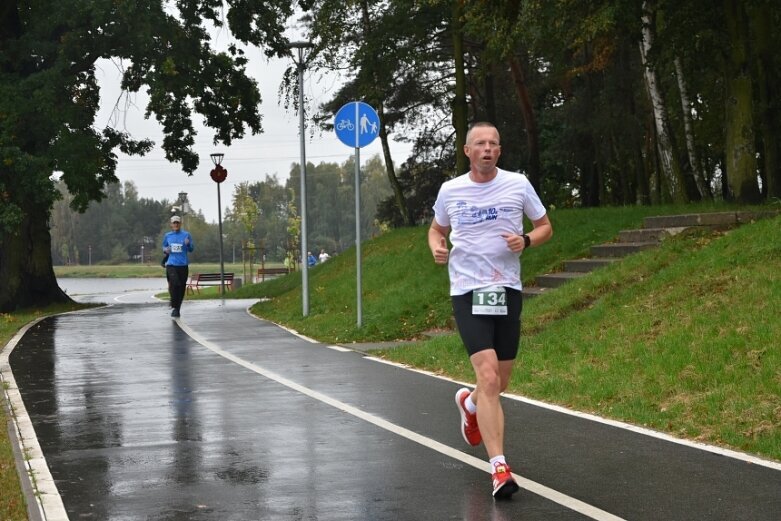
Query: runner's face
(175, 226)
(483, 149)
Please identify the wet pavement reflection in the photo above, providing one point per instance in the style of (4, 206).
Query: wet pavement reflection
(138, 420)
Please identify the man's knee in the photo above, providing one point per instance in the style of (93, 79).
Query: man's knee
(488, 380)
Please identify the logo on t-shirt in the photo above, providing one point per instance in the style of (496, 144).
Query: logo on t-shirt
(475, 215)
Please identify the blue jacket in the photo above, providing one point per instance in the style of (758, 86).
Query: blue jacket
(177, 248)
(311, 260)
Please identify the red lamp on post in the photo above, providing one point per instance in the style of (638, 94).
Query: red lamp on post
(218, 175)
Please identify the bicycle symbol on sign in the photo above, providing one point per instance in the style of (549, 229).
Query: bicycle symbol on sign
(345, 124)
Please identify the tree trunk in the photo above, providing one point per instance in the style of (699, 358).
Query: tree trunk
(398, 193)
(739, 146)
(26, 265)
(666, 151)
(651, 164)
(459, 99)
(529, 120)
(767, 80)
(699, 179)
(589, 173)
(490, 96)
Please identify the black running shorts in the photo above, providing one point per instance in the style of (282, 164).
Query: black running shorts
(501, 333)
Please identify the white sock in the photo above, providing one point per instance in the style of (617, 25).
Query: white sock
(497, 460)
(470, 405)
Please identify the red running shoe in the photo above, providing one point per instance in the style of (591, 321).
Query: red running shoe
(469, 429)
(504, 484)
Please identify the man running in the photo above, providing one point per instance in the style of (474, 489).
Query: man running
(176, 244)
(482, 212)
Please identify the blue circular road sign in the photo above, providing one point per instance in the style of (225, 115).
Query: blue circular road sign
(356, 124)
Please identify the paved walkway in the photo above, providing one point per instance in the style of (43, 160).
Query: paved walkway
(221, 416)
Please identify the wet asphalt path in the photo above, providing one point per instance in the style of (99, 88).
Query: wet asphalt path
(220, 416)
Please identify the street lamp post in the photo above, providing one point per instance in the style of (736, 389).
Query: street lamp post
(301, 66)
(218, 175)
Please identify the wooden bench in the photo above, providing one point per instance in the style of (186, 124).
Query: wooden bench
(262, 272)
(198, 280)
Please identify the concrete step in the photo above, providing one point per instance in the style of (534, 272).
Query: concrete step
(649, 234)
(533, 291)
(717, 219)
(587, 265)
(693, 219)
(621, 249)
(554, 280)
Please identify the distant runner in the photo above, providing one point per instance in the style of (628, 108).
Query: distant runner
(176, 245)
(483, 211)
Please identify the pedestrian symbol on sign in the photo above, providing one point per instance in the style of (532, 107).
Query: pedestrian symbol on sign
(365, 125)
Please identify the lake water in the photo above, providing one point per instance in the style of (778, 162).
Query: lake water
(78, 287)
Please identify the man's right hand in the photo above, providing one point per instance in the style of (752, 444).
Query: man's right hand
(441, 253)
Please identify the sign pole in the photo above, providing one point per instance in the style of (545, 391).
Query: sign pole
(358, 283)
(356, 125)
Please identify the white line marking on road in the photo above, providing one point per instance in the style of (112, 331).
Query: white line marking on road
(532, 486)
(339, 348)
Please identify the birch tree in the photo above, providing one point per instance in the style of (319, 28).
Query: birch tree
(694, 161)
(670, 168)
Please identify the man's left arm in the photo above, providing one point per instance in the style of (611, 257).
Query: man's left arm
(542, 231)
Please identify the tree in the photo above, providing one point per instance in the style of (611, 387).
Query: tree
(121, 222)
(499, 28)
(246, 212)
(460, 117)
(665, 145)
(393, 56)
(49, 96)
(766, 71)
(739, 111)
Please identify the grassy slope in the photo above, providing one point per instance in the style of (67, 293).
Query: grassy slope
(680, 338)
(404, 292)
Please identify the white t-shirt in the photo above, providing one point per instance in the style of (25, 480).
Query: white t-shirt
(478, 214)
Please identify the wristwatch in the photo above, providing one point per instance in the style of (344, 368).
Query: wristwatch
(526, 241)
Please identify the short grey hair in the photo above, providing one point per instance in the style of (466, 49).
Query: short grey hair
(479, 124)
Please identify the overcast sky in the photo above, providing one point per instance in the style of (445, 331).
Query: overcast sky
(250, 159)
